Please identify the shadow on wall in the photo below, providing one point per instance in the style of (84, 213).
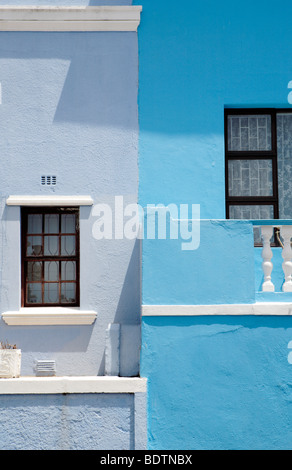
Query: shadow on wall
(99, 85)
(207, 65)
(131, 290)
(77, 338)
(100, 88)
(63, 339)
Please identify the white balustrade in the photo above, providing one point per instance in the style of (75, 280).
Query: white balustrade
(267, 232)
(267, 254)
(287, 257)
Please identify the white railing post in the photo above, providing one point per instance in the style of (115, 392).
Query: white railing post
(286, 233)
(267, 254)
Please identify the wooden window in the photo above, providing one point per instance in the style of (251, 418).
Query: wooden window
(50, 257)
(251, 164)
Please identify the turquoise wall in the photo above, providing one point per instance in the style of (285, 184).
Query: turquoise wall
(218, 382)
(195, 58)
(201, 276)
(214, 382)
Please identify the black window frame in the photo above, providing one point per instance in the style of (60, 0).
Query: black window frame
(25, 211)
(253, 155)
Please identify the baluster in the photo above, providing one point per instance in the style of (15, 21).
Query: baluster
(286, 232)
(267, 254)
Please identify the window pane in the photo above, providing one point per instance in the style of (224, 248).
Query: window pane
(68, 270)
(68, 292)
(51, 223)
(250, 178)
(51, 293)
(34, 223)
(68, 245)
(68, 223)
(51, 247)
(284, 148)
(251, 132)
(34, 271)
(51, 271)
(34, 246)
(34, 293)
(254, 212)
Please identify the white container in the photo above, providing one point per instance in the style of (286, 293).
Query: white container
(10, 363)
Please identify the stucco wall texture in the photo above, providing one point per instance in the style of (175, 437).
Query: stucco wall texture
(214, 382)
(219, 383)
(69, 109)
(67, 422)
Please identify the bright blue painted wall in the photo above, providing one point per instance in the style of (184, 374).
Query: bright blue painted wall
(195, 58)
(220, 270)
(218, 383)
(214, 382)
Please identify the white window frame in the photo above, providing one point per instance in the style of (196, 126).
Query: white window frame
(48, 315)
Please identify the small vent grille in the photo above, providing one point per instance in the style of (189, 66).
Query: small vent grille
(48, 180)
(45, 368)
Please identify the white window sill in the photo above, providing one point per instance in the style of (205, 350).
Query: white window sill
(49, 316)
(60, 385)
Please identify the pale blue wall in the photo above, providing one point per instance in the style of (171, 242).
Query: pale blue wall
(69, 108)
(72, 422)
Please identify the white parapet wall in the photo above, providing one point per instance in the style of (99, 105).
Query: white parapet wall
(73, 413)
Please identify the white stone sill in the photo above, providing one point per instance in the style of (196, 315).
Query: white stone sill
(59, 385)
(259, 308)
(49, 316)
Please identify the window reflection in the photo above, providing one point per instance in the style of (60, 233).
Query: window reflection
(50, 257)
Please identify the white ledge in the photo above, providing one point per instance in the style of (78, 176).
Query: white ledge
(62, 18)
(64, 201)
(49, 316)
(60, 385)
(259, 308)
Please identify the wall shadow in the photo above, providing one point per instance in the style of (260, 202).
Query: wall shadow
(130, 298)
(100, 87)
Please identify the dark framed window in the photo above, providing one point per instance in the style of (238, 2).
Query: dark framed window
(50, 257)
(251, 164)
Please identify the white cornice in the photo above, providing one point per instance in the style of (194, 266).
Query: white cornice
(62, 18)
(259, 308)
(61, 201)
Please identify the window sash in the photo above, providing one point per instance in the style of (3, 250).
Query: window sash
(251, 155)
(59, 232)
